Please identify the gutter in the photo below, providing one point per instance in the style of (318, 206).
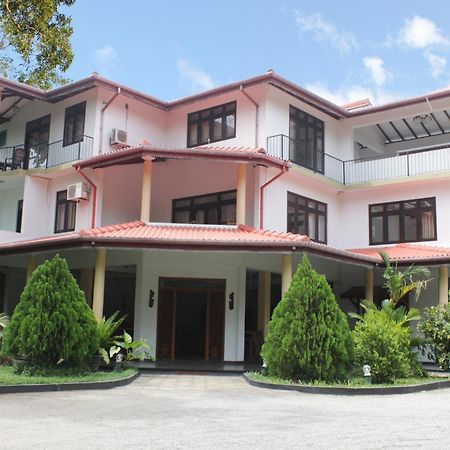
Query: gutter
(261, 195)
(94, 195)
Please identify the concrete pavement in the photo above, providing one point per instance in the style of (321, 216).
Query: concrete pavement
(199, 412)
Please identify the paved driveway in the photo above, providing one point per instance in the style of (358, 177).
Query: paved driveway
(197, 412)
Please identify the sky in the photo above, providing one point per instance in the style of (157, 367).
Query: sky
(343, 51)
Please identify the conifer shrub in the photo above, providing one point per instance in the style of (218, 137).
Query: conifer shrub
(52, 324)
(308, 337)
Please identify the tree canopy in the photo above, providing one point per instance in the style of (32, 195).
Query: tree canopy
(35, 41)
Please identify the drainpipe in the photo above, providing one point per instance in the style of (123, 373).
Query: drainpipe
(102, 117)
(261, 195)
(94, 195)
(241, 87)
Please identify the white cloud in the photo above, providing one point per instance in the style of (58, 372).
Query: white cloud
(106, 58)
(197, 78)
(325, 32)
(350, 94)
(375, 66)
(421, 33)
(437, 63)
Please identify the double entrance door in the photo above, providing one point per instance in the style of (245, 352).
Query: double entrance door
(191, 316)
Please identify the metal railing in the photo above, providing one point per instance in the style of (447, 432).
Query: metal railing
(52, 154)
(363, 170)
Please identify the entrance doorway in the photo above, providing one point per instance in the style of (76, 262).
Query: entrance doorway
(37, 135)
(191, 316)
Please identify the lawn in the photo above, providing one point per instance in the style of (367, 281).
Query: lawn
(7, 376)
(351, 382)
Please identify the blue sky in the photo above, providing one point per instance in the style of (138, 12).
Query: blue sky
(343, 50)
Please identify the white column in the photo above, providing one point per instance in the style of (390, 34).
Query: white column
(369, 285)
(146, 190)
(99, 283)
(31, 265)
(241, 193)
(443, 285)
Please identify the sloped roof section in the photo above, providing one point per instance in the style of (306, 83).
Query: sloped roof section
(408, 253)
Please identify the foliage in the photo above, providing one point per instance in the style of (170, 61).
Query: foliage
(130, 349)
(400, 283)
(35, 41)
(4, 321)
(106, 329)
(383, 341)
(309, 337)
(52, 324)
(436, 328)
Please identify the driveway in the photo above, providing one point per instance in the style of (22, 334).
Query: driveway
(201, 411)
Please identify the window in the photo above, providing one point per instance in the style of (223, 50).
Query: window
(19, 216)
(65, 213)
(307, 216)
(2, 138)
(403, 221)
(218, 208)
(74, 124)
(212, 125)
(307, 140)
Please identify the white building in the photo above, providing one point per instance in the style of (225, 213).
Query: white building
(162, 209)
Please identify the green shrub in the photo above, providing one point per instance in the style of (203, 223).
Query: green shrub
(52, 324)
(384, 344)
(309, 337)
(436, 328)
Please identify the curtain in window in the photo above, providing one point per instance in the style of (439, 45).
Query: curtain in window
(427, 225)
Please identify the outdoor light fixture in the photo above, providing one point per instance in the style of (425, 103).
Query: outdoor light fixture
(367, 374)
(231, 301)
(151, 298)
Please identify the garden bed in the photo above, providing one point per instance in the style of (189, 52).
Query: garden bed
(13, 383)
(354, 386)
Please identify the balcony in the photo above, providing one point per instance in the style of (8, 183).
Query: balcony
(44, 156)
(364, 170)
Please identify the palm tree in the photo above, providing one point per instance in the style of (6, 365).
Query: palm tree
(399, 283)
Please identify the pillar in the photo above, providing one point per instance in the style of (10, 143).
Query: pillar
(31, 265)
(86, 283)
(443, 285)
(99, 283)
(146, 190)
(369, 285)
(241, 193)
(264, 288)
(286, 273)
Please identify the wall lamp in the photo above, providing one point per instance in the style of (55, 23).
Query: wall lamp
(151, 298)
(231, 301)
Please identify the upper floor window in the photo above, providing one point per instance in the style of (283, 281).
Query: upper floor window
(307, 216)
(65, 213)
(404, 221)
(212, 125)
(74, 123)
(217, 208)
(307, 140)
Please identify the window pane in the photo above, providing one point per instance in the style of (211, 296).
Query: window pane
(71, 215)
(427, 219)
(410, 227)
(181, 217)
(376, 232)
(230, 122)
(393, 206)
(205, 199)
(409, 205)
(60, 210)
(228, 196)
(427, 202)
(312, 232)
(204, 132)
(212, 216)
(376, 208)
(193, 134)
(217, 129)
(301, 223)
(200, 217)
(321, 232)
(393, 228)
(228, 214)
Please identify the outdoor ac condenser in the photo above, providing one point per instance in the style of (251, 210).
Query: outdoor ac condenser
(119, 137)
(78, 191)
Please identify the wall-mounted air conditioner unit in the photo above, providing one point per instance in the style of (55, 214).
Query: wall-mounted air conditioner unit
(78, 191)
(119, 137)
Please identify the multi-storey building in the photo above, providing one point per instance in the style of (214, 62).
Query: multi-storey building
(189, 216)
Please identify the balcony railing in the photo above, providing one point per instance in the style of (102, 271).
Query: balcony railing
(363, 170)
(52, 154)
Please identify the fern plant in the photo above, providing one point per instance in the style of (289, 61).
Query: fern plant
(106, 329)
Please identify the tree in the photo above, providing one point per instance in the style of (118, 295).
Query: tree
(35, 41)
(309, 337)
(52, 324)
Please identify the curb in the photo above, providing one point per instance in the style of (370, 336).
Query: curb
(56, 387)
(329, 390)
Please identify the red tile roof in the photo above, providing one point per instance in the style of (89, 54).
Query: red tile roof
(407, 252)
(137, 153)
(184, 237)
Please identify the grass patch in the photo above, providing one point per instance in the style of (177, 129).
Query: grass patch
(7, 376)
(351, 382)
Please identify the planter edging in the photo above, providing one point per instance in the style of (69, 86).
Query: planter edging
(330, 390)
(72, 386)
